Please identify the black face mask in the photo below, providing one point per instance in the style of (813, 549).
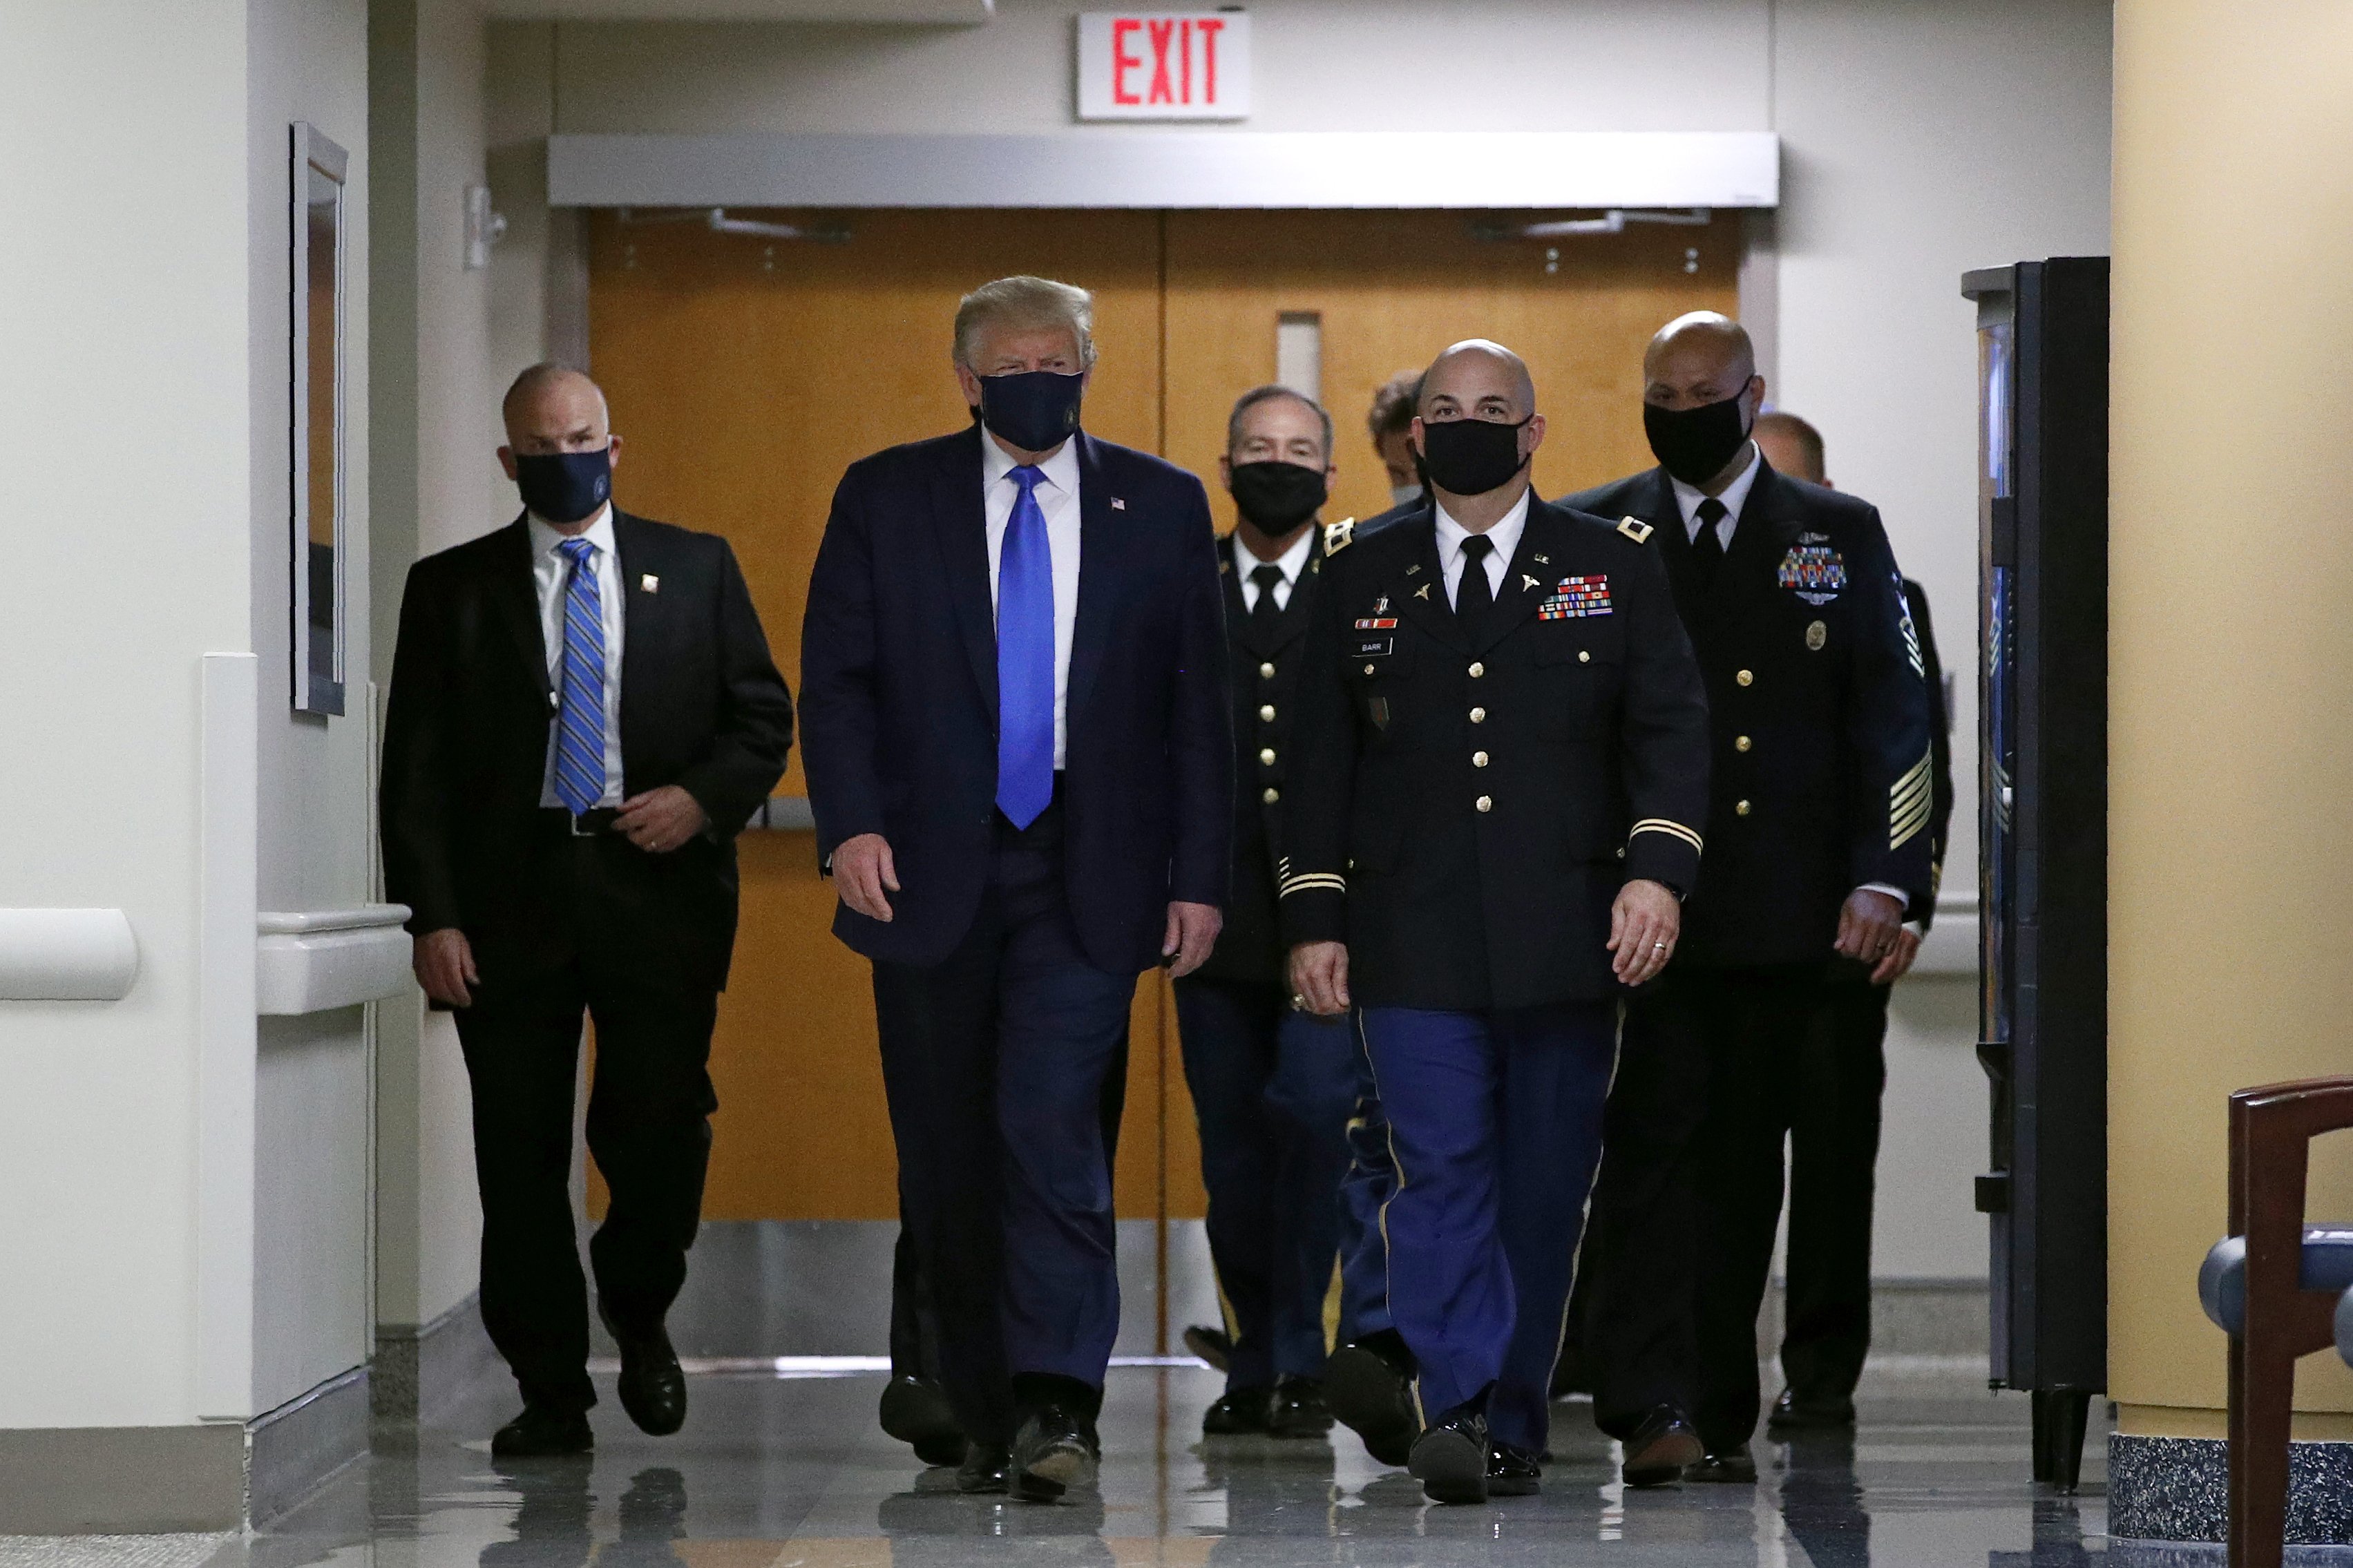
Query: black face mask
(1277, 496)
(564, 486)
(1695, 444)
(1035, 410)
(1472, 456)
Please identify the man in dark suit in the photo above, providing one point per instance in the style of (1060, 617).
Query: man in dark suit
(582, 714)
(1272, 1087)
(1834, 1100)
(1021, 766)
(1818, 844)
(1501, 752)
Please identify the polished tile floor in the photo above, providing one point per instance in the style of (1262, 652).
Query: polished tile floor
(792, 1473)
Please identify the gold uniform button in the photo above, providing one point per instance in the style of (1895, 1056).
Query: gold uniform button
(1746, 678)
(1485, 803)
(1266, 714)
(1478, 759)
(1583, 656)
(1741, 744)
(1740, 807)
(1267, 756)
(1478, 715)
(1266, 672)
(1477, 670)
(1368, 670)
(1271, 795)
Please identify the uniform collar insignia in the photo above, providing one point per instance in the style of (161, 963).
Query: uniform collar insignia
(1422, 592)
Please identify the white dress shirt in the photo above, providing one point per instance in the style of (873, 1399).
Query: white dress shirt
(1058, 499)
(1734, 497)
(551, 572)
(1505, 536)
(1291, 563)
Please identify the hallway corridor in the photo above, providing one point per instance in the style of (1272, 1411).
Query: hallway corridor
(791, 1472)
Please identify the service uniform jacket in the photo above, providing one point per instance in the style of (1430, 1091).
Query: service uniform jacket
(1265, 681)
(1463, 811)
(1823, 780)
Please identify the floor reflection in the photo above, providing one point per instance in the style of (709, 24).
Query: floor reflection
(793, 1474)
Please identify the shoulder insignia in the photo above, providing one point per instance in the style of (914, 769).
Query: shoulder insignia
(1635, 528)
(1337, 536)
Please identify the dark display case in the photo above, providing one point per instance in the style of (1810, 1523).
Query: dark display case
(2042, 585)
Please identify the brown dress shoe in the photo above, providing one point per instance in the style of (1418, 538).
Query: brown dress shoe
(1661, 1446)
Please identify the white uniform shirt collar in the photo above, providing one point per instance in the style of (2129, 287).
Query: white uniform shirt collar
(544, 537)
(1061, 469)
(1734, 497)
(1505, 535)
(1291, 561)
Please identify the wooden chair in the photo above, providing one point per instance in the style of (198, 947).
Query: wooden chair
(2275, 1286)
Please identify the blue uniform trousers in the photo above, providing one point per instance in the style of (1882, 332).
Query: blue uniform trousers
(1495, 1121)
(1272, 1090)
(994, 1063)
(1364, 1192)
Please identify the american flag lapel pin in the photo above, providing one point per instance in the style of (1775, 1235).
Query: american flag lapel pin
(1117, 504)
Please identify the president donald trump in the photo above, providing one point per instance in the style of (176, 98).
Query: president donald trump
(1016, 723)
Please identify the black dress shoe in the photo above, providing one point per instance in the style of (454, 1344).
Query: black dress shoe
(1733, 1467)
(1791, 1414)
(1212, 1345)
(1368, 1384)
(915, 1411)
(1296, 1408)
(1513, 1471)
(1050, 1455)
(653, 1388)
(538, 1433)
(987, 1468)
(1449, 1459)
(1237, 1410)
(1662, 1444)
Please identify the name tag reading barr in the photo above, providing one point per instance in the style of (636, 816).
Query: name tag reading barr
(1576, 597)
(1372, 648)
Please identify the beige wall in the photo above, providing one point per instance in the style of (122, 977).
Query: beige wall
(2231, 657)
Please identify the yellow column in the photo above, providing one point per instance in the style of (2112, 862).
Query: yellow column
(2231, 746)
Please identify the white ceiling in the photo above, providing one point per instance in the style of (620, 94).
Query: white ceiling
(886, 13)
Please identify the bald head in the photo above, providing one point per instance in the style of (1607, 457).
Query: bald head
(1698, 359)
(1480, 380)
(554, 408)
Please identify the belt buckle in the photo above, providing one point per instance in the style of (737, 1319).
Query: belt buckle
(577, 819)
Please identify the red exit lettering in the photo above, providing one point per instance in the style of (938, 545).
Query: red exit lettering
(1176, 45)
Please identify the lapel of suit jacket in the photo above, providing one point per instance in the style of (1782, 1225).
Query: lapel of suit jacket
(1238, 616)
(1099, 566)
(637, 558)
(1421, 594)
(514, 596)
(1524, 578)
(960, 525)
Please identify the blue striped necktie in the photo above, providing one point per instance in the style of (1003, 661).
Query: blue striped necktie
(1025, 657)
(580, 717)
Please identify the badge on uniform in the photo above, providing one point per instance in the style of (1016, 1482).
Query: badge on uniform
(1817, 635)
(1374, 648)
(1377, 624)
(1576, 597)
(1813, 570)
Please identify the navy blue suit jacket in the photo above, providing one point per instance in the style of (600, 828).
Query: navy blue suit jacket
(899, 699)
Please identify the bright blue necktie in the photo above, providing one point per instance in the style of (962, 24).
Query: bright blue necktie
(580, 716)
(1025, 658)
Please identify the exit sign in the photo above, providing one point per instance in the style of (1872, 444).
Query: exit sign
(1164, 65)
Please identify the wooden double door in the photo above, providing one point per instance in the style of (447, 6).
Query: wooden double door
(746, 374)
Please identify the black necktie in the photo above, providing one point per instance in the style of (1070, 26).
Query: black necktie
(1708, 549)
(1473, 597)
(1263, 613)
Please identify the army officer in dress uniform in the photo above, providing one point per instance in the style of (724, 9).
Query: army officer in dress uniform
(1818, 842)
(1500, 758)
(1272, 1086)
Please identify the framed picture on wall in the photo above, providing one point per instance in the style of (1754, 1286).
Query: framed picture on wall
(316, 532)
